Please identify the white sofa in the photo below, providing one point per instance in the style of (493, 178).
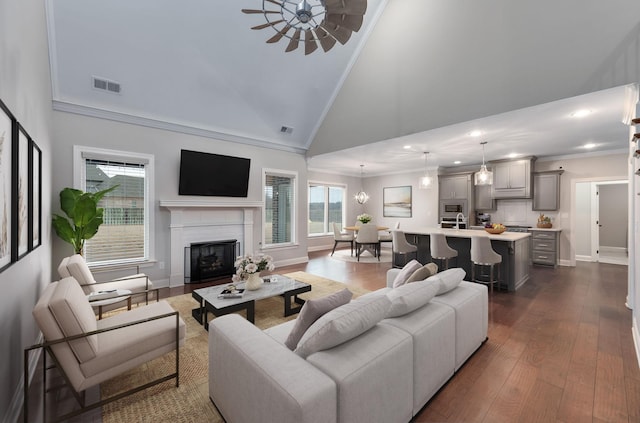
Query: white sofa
(385, 374)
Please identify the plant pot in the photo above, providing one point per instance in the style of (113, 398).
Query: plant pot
(253, 282)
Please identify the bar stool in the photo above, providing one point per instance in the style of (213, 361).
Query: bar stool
(440, 250)
(400, 246)
(482, 254)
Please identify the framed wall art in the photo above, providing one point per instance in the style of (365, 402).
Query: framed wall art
(6, 177)
(36, 195)
(396, 201)
(23, 205)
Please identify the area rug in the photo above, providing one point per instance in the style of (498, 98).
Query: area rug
(365, 257)
(190, 402)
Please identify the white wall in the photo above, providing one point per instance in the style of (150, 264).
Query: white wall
(25, 89)
(71, 129)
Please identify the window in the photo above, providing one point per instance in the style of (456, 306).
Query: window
(124, 235)
(326, 207)
(279, 212)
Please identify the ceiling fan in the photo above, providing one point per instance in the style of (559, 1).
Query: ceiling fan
(312, 21)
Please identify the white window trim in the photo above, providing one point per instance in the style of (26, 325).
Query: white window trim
(344, 204)
(81, 152)
(294, 208)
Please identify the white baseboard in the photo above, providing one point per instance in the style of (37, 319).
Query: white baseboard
(565, 263)
(583, 258)
(636, 338)
(17, 400)
(612, 250)
(161, 283)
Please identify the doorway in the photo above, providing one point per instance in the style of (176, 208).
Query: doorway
(601, 221)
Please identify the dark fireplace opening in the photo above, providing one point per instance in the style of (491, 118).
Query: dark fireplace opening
(210, 260)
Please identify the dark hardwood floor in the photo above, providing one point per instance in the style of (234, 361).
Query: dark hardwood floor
(560, 349)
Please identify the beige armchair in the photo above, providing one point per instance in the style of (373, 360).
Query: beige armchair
(88, 352)
(138, 284)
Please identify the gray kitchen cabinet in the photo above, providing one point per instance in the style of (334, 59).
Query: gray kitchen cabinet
(546, 190)
(512, 178)
(545, 247)
(454, 187)
(484, 200)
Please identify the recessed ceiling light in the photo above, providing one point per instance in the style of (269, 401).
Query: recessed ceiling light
(513, 155)
(475, 133)
(580, 113)
(406, 147)
(457, 162)
(589, 145)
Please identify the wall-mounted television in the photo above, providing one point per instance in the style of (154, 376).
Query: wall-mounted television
(214, 175)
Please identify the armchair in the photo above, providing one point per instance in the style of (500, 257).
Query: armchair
(138, 284)
(88, 352)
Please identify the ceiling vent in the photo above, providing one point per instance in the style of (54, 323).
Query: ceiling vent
(286, 129)
(106, 85)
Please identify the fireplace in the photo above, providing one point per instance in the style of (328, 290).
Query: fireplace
(209, 260)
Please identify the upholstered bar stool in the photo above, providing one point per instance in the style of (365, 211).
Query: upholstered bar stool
(440, 250)
(482, 254)
(400, 246)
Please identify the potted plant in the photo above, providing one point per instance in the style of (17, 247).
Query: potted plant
(544, 221)
(83, 219)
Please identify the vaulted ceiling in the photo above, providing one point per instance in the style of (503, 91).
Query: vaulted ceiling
(418, 72)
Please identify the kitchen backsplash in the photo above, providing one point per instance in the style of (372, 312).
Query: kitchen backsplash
(518, 212)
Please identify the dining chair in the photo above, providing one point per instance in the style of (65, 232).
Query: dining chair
(385, 236)
(339, 236)
(367, 237)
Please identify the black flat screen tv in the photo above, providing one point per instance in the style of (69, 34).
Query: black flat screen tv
(214, 175)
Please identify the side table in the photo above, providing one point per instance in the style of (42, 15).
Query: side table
(102, 298)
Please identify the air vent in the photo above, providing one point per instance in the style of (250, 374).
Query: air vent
(286, 129)
(106, 85)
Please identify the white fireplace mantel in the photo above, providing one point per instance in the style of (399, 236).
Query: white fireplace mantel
(206, 220)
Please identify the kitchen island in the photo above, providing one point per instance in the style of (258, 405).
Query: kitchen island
(514, 247)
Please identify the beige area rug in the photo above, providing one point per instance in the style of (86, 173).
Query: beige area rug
(365, 257)
(190, 402)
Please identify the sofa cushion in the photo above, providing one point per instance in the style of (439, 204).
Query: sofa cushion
(410, 297)
(78, 268)
(449, 279)
(423, 273)
(312, 310)
(342, 324)
(74, 315)
(407, 270)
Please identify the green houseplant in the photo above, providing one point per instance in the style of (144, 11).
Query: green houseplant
(83, 219)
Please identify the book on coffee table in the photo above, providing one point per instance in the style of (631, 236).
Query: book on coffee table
(231, 293)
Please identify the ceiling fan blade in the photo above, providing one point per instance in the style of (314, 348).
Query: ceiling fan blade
(275, 2)
(339, 33)
(279, 34)
(310, 44)
(326, 40)
(351, 22)
(253, 11)
(340, 7)
(263, 26)
(293, 44)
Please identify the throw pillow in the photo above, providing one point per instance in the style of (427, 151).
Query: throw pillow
(448, 279)
(406, 271)
(312, 310)
(423, 273)
(342, 324)
(410, 297)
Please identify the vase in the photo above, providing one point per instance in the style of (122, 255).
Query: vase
(253, 282)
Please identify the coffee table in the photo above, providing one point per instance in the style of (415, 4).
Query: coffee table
(282, 286)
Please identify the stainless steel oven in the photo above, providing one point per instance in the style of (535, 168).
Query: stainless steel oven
(450, 208)
(450, 223)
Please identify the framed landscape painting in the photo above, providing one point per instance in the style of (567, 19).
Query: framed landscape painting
(396, 201)
(23, 192)
(6, 156)
(36, 197)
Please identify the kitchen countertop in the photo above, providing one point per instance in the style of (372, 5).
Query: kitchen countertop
(546, 229)
(468, 233)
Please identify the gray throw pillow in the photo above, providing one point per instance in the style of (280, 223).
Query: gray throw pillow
(407, 270)
(423, 273)
(312, 310)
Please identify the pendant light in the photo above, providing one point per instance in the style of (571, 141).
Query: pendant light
(361, 197)
(426, 181)
(484, 176)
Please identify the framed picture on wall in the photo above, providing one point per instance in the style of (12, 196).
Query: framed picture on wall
(36, 194)
(22, 208)
(6, 174)
(396, 201)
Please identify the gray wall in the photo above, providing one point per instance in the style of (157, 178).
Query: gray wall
(25, 89)
(614, 212)
(71, 129)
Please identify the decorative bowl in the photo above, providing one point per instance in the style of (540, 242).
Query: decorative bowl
(544, 225)
(495, 231)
